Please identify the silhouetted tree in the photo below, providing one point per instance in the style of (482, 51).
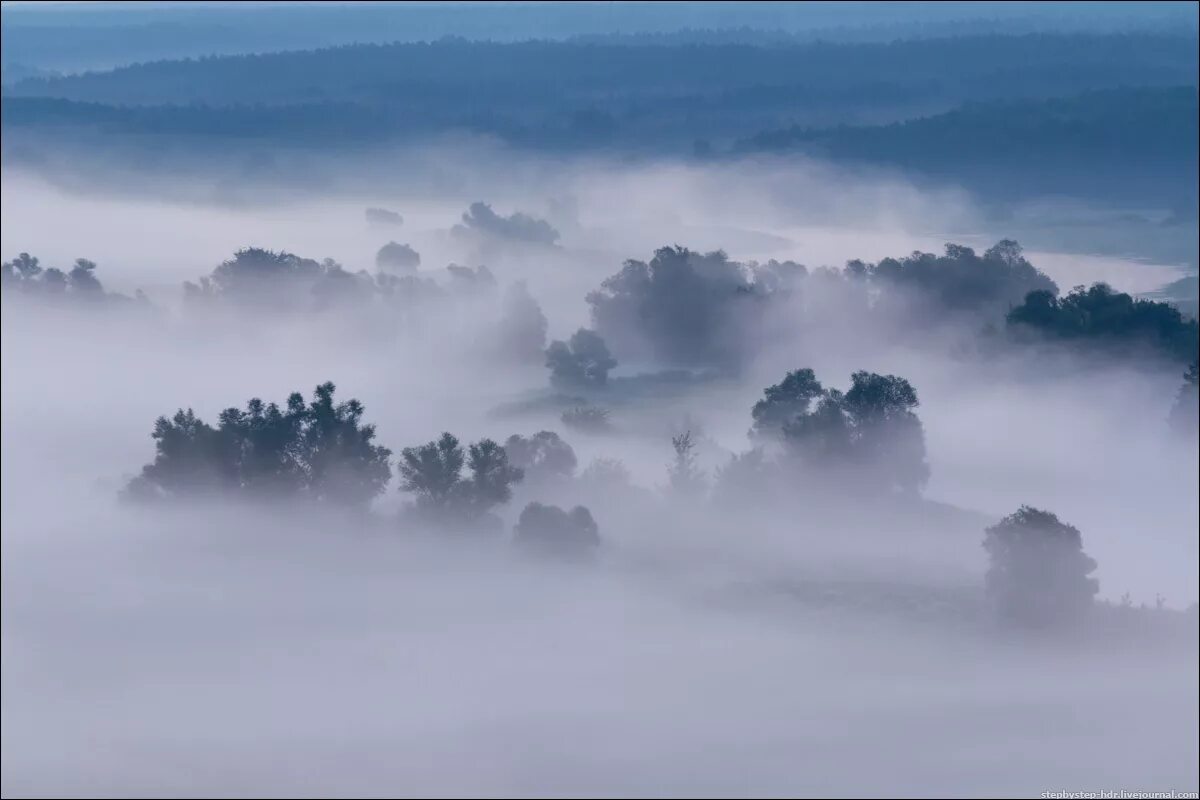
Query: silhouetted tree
(320, 451)
(785, 401)
(544, 455)
(397, 257)
(1103, 318)
(433, 473)
(550, 530)
(25, 274)
(583, 362)
(870, 430)
(1038, 573)
(686, 478)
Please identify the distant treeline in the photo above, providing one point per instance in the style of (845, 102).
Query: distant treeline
(575, 93)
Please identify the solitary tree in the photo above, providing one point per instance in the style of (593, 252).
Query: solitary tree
(1039, 574)
(687, 479)
(397, 257)
(582, 362)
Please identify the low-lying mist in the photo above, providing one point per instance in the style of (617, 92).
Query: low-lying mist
(770, 610)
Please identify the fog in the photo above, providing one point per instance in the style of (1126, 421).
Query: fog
(790, 645)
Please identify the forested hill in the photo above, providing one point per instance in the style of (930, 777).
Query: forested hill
(630, 79)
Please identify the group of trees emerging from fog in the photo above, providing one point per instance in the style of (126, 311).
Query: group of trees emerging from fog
(322, 452)
(702, 310)
(25, 274)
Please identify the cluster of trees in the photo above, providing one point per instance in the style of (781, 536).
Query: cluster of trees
(684, 308)
(320, 451)
(480, 219)
(642, 93)
(1100, 317)
(281, 281)
(870, 430)
(26, 274)
(958, 281)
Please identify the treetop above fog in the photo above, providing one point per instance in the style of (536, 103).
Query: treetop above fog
(319, 451)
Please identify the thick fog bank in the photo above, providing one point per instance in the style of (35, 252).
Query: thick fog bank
(801, 631)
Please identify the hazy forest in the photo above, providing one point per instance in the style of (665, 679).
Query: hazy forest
(599, 399)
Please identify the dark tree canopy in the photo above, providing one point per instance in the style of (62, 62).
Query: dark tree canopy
(544, 455)
(960, 280)
(397, 257)
(870, 432)
(281, 281)
(583, 362)
(1038, 573)
(682, 308)
(25, 275)
(517, 227)
(1100, 317)
(319, 451)
(550, 530)
(785, 401)
(433, 474)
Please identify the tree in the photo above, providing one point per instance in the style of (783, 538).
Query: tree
(397, 257)
(785, 401)
(686, 479)
(550, 530)
(1038, 573)
(682, 307)
(583, 362)
(1186, 411)
(320, 452)
(542, 456)
(82, 278)
(433, 472)
(871, 430)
